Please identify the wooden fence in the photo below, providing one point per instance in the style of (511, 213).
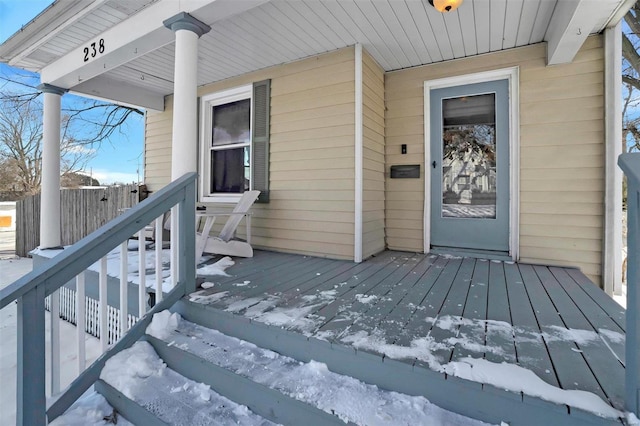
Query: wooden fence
(82, 212)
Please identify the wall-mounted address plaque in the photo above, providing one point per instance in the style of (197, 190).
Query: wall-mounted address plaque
(411, 171)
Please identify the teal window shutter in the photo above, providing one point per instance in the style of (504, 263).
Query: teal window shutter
(260, 137)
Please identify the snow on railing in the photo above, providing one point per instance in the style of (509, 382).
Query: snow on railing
(32, 290)
(630, 164)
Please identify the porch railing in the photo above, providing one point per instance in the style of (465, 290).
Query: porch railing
(630, 165)
(31, 290)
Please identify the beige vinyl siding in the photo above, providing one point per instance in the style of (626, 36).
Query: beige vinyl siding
(561, 153)
(312, 157)
(157, 146)
(373, 236)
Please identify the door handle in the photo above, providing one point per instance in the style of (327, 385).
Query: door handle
(434, 164)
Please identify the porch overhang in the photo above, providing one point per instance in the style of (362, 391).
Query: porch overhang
(134, 63)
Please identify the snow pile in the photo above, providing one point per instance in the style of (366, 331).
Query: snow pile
(362, 298)
(517, 379)
(162, 324)
(90, 410)
(218, 268)
(205, 298)
(140, 374)
(126, 369)
(632, 420)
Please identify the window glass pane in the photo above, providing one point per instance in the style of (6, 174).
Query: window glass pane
(469, 157)
(231, 123)
(230, 170)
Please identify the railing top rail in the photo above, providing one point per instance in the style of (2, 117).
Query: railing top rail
(94, 246)
(630, 165)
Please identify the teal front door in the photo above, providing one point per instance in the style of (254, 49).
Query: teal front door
(469, 146)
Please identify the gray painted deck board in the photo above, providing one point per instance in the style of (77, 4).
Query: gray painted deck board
(375, 299)
(383, 308)
(452, 306)
(596, 353)
(343, 308)
(475, 310)
(264, 281)
(394, 323)
(509, 312)
(498, 314)
(321, 290)
(593, 312)
(610, 306)
(571, 368)
(531, 350)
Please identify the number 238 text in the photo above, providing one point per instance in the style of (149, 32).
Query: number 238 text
(93, 49)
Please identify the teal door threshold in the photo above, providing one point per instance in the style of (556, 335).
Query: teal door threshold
(479, 254)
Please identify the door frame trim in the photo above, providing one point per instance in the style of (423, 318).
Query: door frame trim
(512, 74)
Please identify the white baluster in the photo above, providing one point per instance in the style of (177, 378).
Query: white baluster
(124, 272)
(81, 322)
(158, 234)
(142, 273)
(175, 221)
(102, 291)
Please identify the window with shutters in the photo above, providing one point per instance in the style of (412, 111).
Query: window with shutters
(233, 121)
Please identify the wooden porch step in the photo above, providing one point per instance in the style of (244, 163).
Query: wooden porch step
(170, 398)
(193, 391)
(475, 400)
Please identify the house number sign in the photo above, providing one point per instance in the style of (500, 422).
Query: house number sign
(94, 49)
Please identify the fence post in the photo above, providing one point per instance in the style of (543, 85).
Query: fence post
(630, 164)
(31, 402)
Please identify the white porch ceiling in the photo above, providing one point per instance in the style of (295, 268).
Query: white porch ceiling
(397, 33)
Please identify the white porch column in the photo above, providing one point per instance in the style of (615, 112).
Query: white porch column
(184, 151)
(50, 186)
(612, 256)
(184, 141)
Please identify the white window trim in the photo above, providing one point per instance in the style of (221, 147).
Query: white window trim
(511, 74)
(207, 103)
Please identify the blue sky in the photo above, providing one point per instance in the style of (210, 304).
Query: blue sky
(117, 160)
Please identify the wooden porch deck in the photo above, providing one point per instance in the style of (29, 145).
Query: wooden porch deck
(427, 311)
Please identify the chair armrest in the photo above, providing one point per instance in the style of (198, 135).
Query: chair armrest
(205, 214)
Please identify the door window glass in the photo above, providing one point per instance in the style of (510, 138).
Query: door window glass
(469, 157)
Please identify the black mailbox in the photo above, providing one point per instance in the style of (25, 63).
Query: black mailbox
(411, 171)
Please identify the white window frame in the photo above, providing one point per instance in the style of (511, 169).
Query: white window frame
(207, 103)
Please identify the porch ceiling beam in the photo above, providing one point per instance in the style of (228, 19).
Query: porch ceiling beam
(106, 88)
(133, 38)
(571, 24)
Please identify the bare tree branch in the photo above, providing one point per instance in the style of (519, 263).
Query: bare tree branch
(85, 126)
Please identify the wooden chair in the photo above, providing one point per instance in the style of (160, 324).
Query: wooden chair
(224, 243)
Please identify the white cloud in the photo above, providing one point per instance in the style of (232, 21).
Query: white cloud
(106, 177)
(79, 149)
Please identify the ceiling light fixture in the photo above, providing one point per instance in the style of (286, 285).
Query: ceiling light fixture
(445, 5)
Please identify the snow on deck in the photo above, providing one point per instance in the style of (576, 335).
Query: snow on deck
(547, 332)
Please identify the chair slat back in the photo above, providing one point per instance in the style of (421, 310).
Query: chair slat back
(243, 206)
